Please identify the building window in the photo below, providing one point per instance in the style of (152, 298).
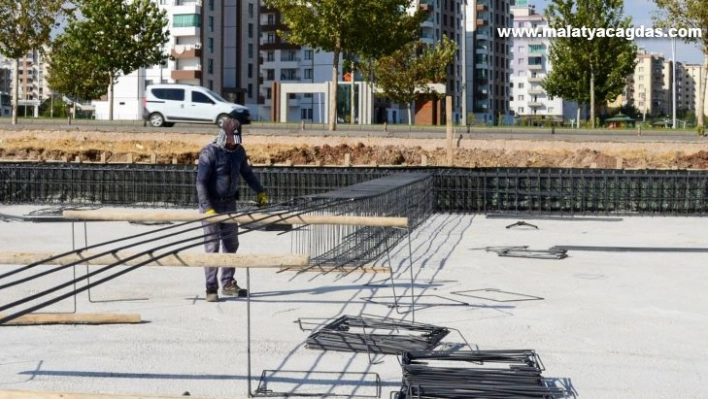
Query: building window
(308, 73)
(250, 13)
(211, 24)
(270, 38)
(250, 90)
(250, 30)
(211, 5)
(250, 50)
(269, 93)
(550, 110)
(521, 97)
(520, 110)
(210, 65)
(186, 21)
(308, 54)
(270, 56)
(211, 84)
(271, 19)
(270, 74)
(521, 85)
(211, 44)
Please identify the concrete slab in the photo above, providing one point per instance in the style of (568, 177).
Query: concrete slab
(609, 325)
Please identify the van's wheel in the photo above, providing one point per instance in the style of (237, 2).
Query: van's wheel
(220, 120)
(156, 119)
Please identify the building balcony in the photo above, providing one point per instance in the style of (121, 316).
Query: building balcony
(482, 7)
(535, 67)
(481, 22)
(278, 45)
(535, 79)
(536, 91)
(273, 27)
(535, 104)
(181, 51)
(186, 74)
(185, 31)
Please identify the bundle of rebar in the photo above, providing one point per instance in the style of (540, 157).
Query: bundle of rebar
(365, 334)
(475, 374)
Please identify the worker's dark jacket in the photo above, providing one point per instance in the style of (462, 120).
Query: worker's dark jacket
(218, 176)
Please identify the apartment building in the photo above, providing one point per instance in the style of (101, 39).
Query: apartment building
(530, 65)
(688, 78)
(32, 80)
(447, 18)
(650, 87)
(487, 58)
(213, 43)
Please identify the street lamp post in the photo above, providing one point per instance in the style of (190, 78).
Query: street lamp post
(673, 85)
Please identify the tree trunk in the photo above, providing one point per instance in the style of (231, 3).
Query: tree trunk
(592, 99)
(352, 111)
(110, 99)
(702, 88)
(410, 113)
(15, 91)
(332, 117)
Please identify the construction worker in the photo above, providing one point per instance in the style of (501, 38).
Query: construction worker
(221, 164)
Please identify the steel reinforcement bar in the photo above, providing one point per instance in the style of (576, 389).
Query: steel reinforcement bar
(489, 190)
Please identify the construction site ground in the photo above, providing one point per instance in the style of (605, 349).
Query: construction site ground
(606, 324)
(172, 146)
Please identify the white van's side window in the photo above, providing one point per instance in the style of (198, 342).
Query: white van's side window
(169, 94)
(198, 97)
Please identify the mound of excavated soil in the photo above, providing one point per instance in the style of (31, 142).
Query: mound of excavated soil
(173, 147)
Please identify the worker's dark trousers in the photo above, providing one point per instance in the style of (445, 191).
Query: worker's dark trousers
(216, 235)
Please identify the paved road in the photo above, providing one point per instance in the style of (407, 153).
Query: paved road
(402, 131)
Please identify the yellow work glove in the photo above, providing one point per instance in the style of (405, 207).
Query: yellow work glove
(210, 212)
(261, 199)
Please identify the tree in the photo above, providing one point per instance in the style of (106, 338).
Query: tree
(687, 14)
(72, 73)
(27, 25)
(589, 70)
(118, 37)
(408, 71)
(347, 26)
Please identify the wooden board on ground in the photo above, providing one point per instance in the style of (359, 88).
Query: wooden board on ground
(34, 319)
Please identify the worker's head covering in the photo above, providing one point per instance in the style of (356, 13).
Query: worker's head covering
(230, 131)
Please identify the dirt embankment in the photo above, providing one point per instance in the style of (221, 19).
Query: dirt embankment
(468, 152)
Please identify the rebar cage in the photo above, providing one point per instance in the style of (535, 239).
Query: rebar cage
(487, 190)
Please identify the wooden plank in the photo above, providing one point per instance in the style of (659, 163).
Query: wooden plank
(185, 259)
(16, 394)
(33, 319)
(259, 218)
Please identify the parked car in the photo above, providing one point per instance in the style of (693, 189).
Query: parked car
(166, 104)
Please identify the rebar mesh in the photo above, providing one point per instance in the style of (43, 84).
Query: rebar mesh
(510, 190)
(408, 195)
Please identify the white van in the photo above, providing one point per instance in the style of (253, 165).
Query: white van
(166, 104)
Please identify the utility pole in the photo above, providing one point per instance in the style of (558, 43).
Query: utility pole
(673, 85)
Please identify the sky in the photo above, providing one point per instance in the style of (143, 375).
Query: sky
(642, 12)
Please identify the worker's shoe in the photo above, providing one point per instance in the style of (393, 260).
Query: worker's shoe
(231, 288)
(212, 295)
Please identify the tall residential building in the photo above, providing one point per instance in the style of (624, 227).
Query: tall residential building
(287, 63)
(650, 85)
(213, 43)
(530, 64)
(488, 67)
(688, 78)
(447, 18)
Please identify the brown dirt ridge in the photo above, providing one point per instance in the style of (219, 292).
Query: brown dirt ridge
(175, 148)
